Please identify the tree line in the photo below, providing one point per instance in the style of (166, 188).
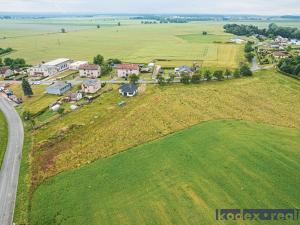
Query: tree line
(13, 63)
(273, 30)
(290, 65)
(5, 50)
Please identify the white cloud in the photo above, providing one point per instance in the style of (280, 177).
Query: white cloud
(266, 7)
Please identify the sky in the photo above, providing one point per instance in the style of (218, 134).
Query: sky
(257, 7)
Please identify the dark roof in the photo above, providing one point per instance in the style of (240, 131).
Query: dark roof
(89, 67)
(127, 67)
(185, 69)
(128, 88)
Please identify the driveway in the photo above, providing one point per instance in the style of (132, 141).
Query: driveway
(9, 172)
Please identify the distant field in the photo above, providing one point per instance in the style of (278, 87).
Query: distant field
(102, 129)
(180, 179)
(3, 136)
(131, 42)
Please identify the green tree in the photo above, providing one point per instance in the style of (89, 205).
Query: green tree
(60, 110)
(245, 70)
(236, 73)
(98, 26)
(204, 33)
(133, 78)
(27, 115)
(8, 61)
(227, 73)
(161, 80)
(26, 88)
(185, 79)
(218, 74)
(1, 63)
(106, 68)
(119, 23)
(98, 60)
(196, 79)
(63, 30)
(249, 56)
(207, 75)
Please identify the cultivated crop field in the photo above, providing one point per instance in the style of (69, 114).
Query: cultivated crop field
(180, 179)
(130, 42)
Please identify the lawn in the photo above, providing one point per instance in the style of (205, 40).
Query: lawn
(179, 179)
(38, 101)
(102, 129)
(3, 137)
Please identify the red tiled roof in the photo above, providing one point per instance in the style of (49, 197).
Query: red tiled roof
(89, 67)
(127, 67)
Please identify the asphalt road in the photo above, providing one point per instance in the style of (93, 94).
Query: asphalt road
(9, 172)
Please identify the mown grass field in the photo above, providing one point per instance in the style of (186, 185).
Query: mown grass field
(38, 101)
(102, 129)
(131, 42)
(3, 136)
(180, 179)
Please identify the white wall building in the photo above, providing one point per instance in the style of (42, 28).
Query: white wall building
(90, 71)
(125, 70)
(77, 64)
(50, 68)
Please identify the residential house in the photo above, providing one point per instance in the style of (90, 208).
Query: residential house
(90, 71)
(128, 90)
(50, 68)
(184, 69)
(125, 70)
(58, 88)
(91, 86)
(72, 97)
(6, 72)
(280, 55)
(77, 64)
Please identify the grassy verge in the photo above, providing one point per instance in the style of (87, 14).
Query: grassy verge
(3, 136)
(180, 179)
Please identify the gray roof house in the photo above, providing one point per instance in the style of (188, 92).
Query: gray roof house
(128, 90)
(185, 69)
(58, 88)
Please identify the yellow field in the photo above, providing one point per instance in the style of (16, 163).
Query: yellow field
(102, 128)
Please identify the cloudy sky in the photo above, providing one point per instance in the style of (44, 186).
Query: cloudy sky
(262, 7)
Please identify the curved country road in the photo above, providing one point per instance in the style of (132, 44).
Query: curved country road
(9, 173)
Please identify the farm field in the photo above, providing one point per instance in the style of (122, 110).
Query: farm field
(3, 136)
(179, 179)
(131, 42)
(64, 143)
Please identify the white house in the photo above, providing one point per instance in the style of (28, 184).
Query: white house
(50, 68)
(77, 64)
(125, 70)
(90, 70)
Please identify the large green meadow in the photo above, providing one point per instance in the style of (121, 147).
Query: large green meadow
(180, 179)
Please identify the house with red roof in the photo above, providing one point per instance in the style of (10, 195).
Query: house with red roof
(125, 70)
(90, 71)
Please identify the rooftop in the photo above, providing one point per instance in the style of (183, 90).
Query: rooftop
(89, 67)
(56, 62)
(127, 67)
(59, 85)
(91, 82)
(128, 88)
(79, 63)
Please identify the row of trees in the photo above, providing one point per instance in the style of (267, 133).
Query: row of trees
(106, 66)
(290, 65)
(5, 50)
(249, 51)
(13, 63)
(272, 30)
(198, 77)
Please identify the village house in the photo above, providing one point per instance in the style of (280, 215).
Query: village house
(91, 86)
(58, 88)
(280, 55)
(184, 70)
(125, 70)
(90, 71)
(72, 97)
(6, 72)
(50, 68)
(128, 90)
(77, 64)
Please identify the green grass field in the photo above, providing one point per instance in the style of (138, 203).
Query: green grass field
(180, 179)
(3, 136)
